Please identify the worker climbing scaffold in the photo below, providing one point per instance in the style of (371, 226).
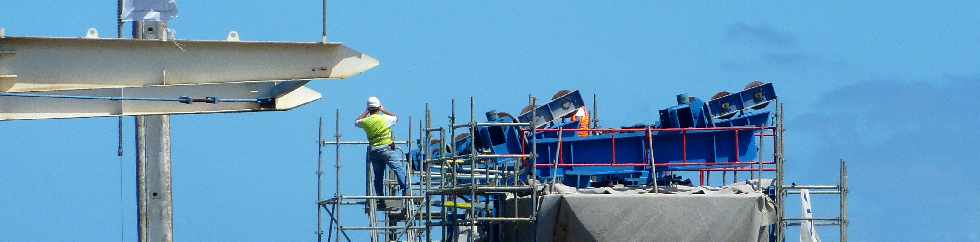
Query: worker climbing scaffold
(376, 122)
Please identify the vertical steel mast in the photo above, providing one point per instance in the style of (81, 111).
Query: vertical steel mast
(153, 173)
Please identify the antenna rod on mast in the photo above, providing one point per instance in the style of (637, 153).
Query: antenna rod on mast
(324, 33)
(119, 20)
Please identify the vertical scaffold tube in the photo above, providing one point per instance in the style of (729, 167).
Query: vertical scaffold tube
(653, 161)
(554, 170)
(843, 201)
(473, 160)
(336, 205)
(534, 161)
(409, 204)
(319, 177)
(426, 157)
(780, 193)
(442, 180)
(452, 167)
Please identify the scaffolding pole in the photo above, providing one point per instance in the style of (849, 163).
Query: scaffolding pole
(843, 201)
(424, 147)
(478, 186)
(473, 161)
(319, 177)
(782, 190)
(336, 207)
(391, 227)
(780, 193)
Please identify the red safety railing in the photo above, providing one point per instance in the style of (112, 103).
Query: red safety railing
(704, 167)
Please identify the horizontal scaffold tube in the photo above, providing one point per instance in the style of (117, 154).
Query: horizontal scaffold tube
(334, 201)
(381, 197)
(467, 125)
(399, 142)
(379, 227)
(658, 130)
(811, 219)
(497, 219)
(470, 156)
(813, 187)
(735, 164)
(817, 223)
(458, 190)
(503, 156)
(466, 176)
(818, 192)
(476, 170)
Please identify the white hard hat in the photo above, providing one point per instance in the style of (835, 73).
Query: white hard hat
(374, 102)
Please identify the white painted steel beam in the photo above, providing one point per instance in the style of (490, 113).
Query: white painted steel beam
(50, 64)
(285, 95)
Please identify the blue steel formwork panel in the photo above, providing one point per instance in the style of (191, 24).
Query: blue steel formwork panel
(691, 114)
(554, 110)
(757, 119)
(631, 147)
(749, 99)
(718, 148)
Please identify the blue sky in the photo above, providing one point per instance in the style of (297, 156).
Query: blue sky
(888, 85)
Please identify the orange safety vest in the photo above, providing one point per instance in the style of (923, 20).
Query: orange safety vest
(583, 123)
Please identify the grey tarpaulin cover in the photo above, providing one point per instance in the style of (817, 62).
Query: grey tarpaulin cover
(161, 10)
(689, 214)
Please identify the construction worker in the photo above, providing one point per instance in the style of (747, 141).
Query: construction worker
(376, 123)
(582, 117)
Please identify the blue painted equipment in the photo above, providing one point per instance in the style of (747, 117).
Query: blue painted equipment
(746, 108)
(691, 135)
(553, 112)
(690, 112)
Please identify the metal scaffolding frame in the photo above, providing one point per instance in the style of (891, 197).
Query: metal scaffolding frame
(475, 176)
(840, 190)
(782, 190)
(446, 184)
(460, 194)
(389, 223)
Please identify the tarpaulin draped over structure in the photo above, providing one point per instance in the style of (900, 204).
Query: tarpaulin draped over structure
(808, 230)
(159, 10)
(698, 214)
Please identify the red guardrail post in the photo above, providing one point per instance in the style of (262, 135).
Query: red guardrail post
(737, 155)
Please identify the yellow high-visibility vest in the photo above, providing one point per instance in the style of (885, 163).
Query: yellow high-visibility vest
(378, 130)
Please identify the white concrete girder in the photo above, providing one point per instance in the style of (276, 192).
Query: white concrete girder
(286, 95)
(50, 64)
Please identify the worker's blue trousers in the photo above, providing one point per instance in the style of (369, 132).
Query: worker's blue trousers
(381, 157)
